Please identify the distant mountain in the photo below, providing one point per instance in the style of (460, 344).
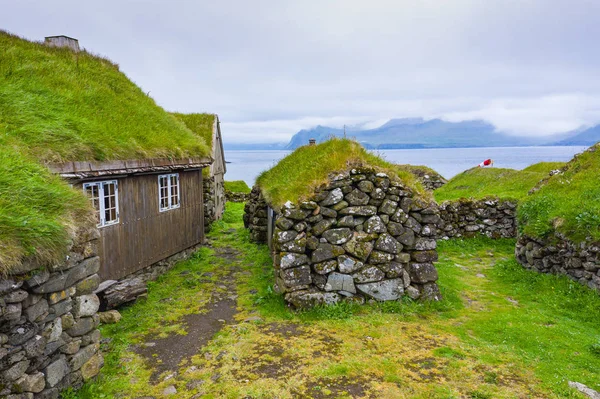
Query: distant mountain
(421, 133)
(253, 146)
(583, 137)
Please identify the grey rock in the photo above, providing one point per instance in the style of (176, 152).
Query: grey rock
(35, 346)
(399, 216)
(403, 257)
(15, 296)
(328, 213)
(359, 247)
(375, 225)
(86, 268)
(8, 285)
(312, 243)
(296, 276)
(298, 245)
(378, 257)
(285, 236)
(387, 290)
(346, 221)
(31, 383)
(422, 272)
(365, 210)
(368, 274)
(431, 292)
(55, 283)
(22, 333)
(325, 252)
(388, 207)
(309, 299)
(425, 244)
(366, 186)
(412, 292)
(60, 309)
(347, 264)
(425, 256)
(392, 269)
(284, 223)
(339, 206)
(86, 305)
(325, 267)
(321, 226)
(387, 243)
(377, 194)
(37, 311)
(12, 312)
(170, 390)
(87, 285)
(357, 197)
(395, 229)
(83, 326)
(91, 337)
(15, 371)
(38, 279)
(333, 197)
(308, 205)
(340, 282)
(338, 236)
(290, 260)
(56, 371)
(407, 238)
(81, 357)
(296, 214)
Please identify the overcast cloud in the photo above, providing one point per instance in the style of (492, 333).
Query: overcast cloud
(270, 68)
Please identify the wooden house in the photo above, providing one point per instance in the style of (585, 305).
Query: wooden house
(146, 210)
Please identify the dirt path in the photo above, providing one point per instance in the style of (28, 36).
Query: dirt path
(166, 354)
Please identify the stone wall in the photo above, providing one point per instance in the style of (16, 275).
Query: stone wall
(558, 255)
(210, 210)
(491, 217)
(363, 236)
(48, 324)
(236, 197)
(255, 216)
(430, 181)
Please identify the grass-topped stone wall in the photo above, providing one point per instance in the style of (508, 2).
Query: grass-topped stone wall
(484, 200)
(429, 178)
(559, 223)
(347, 227)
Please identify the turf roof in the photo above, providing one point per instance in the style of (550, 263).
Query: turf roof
(295, 177)
(55, 106)
(504, 183)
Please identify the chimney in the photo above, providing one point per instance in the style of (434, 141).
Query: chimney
(312, 142)
(62, 41)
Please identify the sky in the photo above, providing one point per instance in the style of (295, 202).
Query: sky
(272, 67)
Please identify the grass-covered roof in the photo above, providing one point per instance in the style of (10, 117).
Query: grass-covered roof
(296, 176)
(237, 186)
(55, 106)
(200, 124)
(568, 202)
(479, 183)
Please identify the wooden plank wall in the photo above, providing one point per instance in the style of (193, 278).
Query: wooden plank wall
(145, 235)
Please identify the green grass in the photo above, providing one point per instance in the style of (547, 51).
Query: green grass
(567, 203)
(297, 175)
(420, 170)
(480, 183)
(200, 124)
(237, 186)
(57, 106)
(500, 332)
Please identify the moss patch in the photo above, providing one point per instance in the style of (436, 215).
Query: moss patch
(237, 186)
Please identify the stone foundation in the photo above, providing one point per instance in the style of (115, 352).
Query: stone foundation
(114, 293)
(363, 236)
(210, 210)
(558, 255)
(48, 324)
(255, 216)
(491, 217)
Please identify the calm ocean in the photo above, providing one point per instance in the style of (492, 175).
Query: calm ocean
(246, 165)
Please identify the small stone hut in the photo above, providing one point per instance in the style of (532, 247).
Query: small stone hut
(355, 233)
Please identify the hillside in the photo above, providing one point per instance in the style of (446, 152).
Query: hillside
(568, 202)
(298, 174)
(56, 106)
(504, 183)
(420, 133)
(588, 136)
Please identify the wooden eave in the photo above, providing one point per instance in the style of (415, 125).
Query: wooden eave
(91, 169)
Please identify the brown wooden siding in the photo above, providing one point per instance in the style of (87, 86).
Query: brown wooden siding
(144, 235)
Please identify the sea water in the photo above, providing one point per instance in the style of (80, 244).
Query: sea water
(247, 165)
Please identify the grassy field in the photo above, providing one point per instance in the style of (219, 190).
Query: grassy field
(55, 106)
(500, 332)
(297, 175)
(568, 203)
(237, 186)
(504, 183)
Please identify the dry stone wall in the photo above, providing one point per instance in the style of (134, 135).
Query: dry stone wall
(363, 236)
(559, 255)
(48, 324)
(236, 197)
(255, 216)
(210, 208)
(491, 217)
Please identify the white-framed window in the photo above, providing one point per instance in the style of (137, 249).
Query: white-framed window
(168, 191)
(105, 199)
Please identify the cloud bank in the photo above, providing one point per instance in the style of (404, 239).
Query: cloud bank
(270, 68)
